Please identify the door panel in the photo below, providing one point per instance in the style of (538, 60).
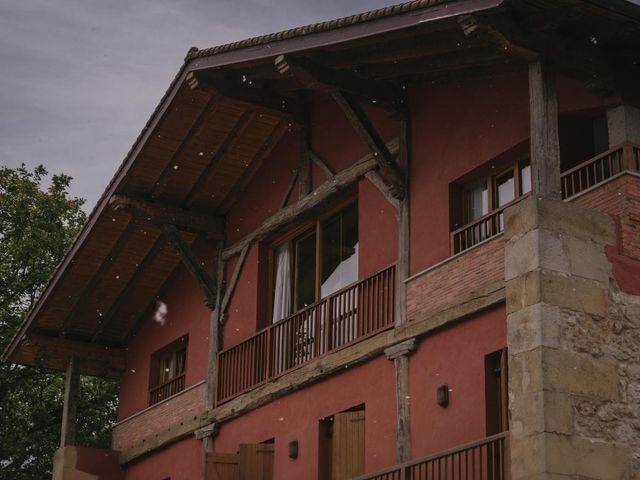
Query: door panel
(223, 466)
(348, 445)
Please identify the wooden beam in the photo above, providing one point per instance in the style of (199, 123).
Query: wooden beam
(89, 287)
(256, 97)
(325, 192)
(387, 167)
(404, 231)
(70, 406)
(233, 283)
(128, 287)
(113, 358)
(545, 144)
(475, 28)
(321, 163)
(192, 264)
(317, 77)
(304, 165)
(197, 125)
(234, 135)
(215, 340)
(253, 168)
(289, 190)
(162, 214)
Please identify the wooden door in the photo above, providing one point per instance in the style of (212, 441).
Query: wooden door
(256, 461)
(223, 466)
(252, 462)
(347, 458)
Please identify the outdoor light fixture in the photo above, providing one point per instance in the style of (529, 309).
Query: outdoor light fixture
(293, 449)
(442, 395)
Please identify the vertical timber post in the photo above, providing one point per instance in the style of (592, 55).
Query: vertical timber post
(400, 353)
(215, 327)
(545, 144)
(70, 407)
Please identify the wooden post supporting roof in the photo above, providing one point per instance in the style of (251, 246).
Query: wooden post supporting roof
(545, 144)
(70, 407)
(215, 329)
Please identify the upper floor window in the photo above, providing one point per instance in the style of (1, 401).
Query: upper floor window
(168, 369)
(315, 262)
(477, 204)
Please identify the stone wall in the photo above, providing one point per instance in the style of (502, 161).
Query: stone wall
(574, 347)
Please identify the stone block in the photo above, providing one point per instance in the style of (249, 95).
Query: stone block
(587, 259)
(532, 327)
(555, 289)
(560, 217)
(534, 250)
(602, 460)
(540, 412)
(578, 374)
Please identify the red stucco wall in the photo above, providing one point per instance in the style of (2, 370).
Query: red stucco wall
(187, 315)
(455, 357)
(180, 461)
(297, 416)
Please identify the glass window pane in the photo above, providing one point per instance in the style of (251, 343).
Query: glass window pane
(339, 251)
(305, 285)
(505, 190)
(166, 369)
(477, 201)
(525, 177)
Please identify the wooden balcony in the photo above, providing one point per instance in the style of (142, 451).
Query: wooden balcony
(343, 318)
(481, 460)
(583, 177)
(167, 389)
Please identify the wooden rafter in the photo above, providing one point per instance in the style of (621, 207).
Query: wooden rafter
(161, 214)
(191, 263)
(162, 180)
(254, 166)
(328, 190)
(317, 77)
(234, 135)
(289, 190)
(128, 287)
(89, 288)
(321, 163)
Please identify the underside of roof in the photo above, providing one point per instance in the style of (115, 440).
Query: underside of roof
(229, 106)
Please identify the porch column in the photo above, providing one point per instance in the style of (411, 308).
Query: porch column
(566, 380)
(623, 122)
(70, 407)
(400, 355)
(545, 144)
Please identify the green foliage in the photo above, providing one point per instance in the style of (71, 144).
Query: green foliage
(37, 226)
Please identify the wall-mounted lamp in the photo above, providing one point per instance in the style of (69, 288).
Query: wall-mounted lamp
(442, 395)
(293, 449)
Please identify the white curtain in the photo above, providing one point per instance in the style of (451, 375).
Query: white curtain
(282, 295)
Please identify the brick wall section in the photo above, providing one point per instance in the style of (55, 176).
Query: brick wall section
(183, 406)
(461, 276)
(619, 198)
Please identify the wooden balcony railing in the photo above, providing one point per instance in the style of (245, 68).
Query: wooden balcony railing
(481, 460)
(165, 390)
(600, 168)
(591, 173)
(347, 316)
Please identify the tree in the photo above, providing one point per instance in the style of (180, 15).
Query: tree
(37, 226)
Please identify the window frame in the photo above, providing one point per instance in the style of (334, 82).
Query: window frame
(293, 234)
(158, 357)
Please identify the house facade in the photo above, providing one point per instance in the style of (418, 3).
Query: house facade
(399, 245)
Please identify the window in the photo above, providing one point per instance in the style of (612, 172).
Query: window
(477, 204)
(315, 262)
(168, 368)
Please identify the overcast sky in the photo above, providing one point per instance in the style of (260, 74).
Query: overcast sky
(79, 78)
